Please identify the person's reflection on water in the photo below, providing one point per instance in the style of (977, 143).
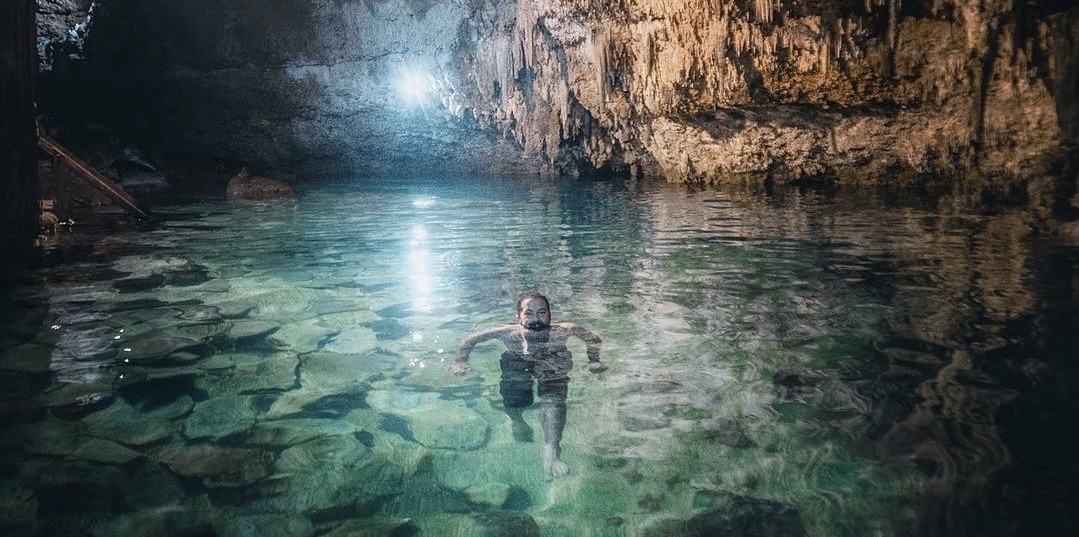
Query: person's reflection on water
(535, 351)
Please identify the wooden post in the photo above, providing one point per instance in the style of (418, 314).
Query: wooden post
(19, 216)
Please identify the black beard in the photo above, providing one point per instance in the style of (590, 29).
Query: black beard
(537, 326)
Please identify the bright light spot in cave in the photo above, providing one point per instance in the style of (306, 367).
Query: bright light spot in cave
(413, 85)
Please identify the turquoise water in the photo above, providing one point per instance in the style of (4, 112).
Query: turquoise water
(780, 363)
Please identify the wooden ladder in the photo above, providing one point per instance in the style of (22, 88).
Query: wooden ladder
(114, 191)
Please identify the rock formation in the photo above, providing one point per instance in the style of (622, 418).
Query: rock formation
(707, 90)
(244, 186)
(690, 90)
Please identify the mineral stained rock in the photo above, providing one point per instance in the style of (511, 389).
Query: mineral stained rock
(688, 90)
(699, 90)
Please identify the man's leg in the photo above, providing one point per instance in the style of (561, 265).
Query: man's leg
(516, 390)
(552, 395)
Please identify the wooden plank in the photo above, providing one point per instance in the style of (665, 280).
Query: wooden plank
(114, 191)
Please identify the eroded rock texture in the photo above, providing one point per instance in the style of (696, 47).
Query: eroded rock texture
(708, 90)
(691, 90)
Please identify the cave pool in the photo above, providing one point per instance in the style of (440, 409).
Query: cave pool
(824, 362)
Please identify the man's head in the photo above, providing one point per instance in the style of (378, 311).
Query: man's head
(534, 311)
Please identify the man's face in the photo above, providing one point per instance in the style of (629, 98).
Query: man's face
(534, 314)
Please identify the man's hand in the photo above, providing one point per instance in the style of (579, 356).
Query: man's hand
(459, 367)
(597, 366)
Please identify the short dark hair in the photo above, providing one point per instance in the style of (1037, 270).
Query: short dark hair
(530, 295)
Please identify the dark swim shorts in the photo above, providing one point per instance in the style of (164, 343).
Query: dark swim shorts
(519, 370)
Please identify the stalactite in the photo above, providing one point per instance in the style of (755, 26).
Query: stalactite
(650, 51)
(870, 5)
(823, 53)
(764, 9)
(563, 109)
(741, 37)
(601, 57)
(837, 39)
(893, 21)
(719, 54)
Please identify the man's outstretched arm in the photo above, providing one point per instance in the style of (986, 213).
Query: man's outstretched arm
(592, 344)
(460, 364)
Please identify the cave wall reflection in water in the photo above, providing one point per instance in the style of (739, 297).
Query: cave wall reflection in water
(781, 363)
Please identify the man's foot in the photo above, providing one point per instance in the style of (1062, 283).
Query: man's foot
(521, 431)
(552, 462)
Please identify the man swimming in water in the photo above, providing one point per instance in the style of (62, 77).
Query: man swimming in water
(535, 350)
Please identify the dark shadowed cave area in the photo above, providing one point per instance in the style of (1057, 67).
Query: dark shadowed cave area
(299, 88)
(808, 268)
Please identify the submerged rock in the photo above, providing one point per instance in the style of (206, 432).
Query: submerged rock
(188, 518)
(99, 450)
(159, 344)
(27, 358)
(72, 486)
(219, 417)
(353, 317)
(139, 284)
(150, 484)
(799, 377)
(272, 373)
(147, 272)
(137, 426)
(353, 340)
(389, 329)
(493, 494)
(723, 431)
(256, 300)
(330, 368)
(18, 510)
(798, 380)
(434, 422)
(738, 515)
(324, 374)
(288, 432)
(228, 360)
(218, 466)
(302, 336)
(265, 526)
(247, 331)
(375, 526)
(644, 417)
(91, 393)
(396, 311)
(49, 437)
(517, 463)
(332, 473)
(498, 523)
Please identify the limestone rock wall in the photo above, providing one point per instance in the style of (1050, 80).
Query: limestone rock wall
(61, 30)
(690, 90)
(711, 90)
(300, 87)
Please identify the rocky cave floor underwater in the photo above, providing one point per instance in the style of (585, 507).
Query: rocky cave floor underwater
(792, 363)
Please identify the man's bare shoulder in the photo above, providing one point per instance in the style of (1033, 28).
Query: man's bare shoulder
(569, 327)
(576, 330)
(492, 332)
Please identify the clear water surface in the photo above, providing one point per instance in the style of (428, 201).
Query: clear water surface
(781, 363)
